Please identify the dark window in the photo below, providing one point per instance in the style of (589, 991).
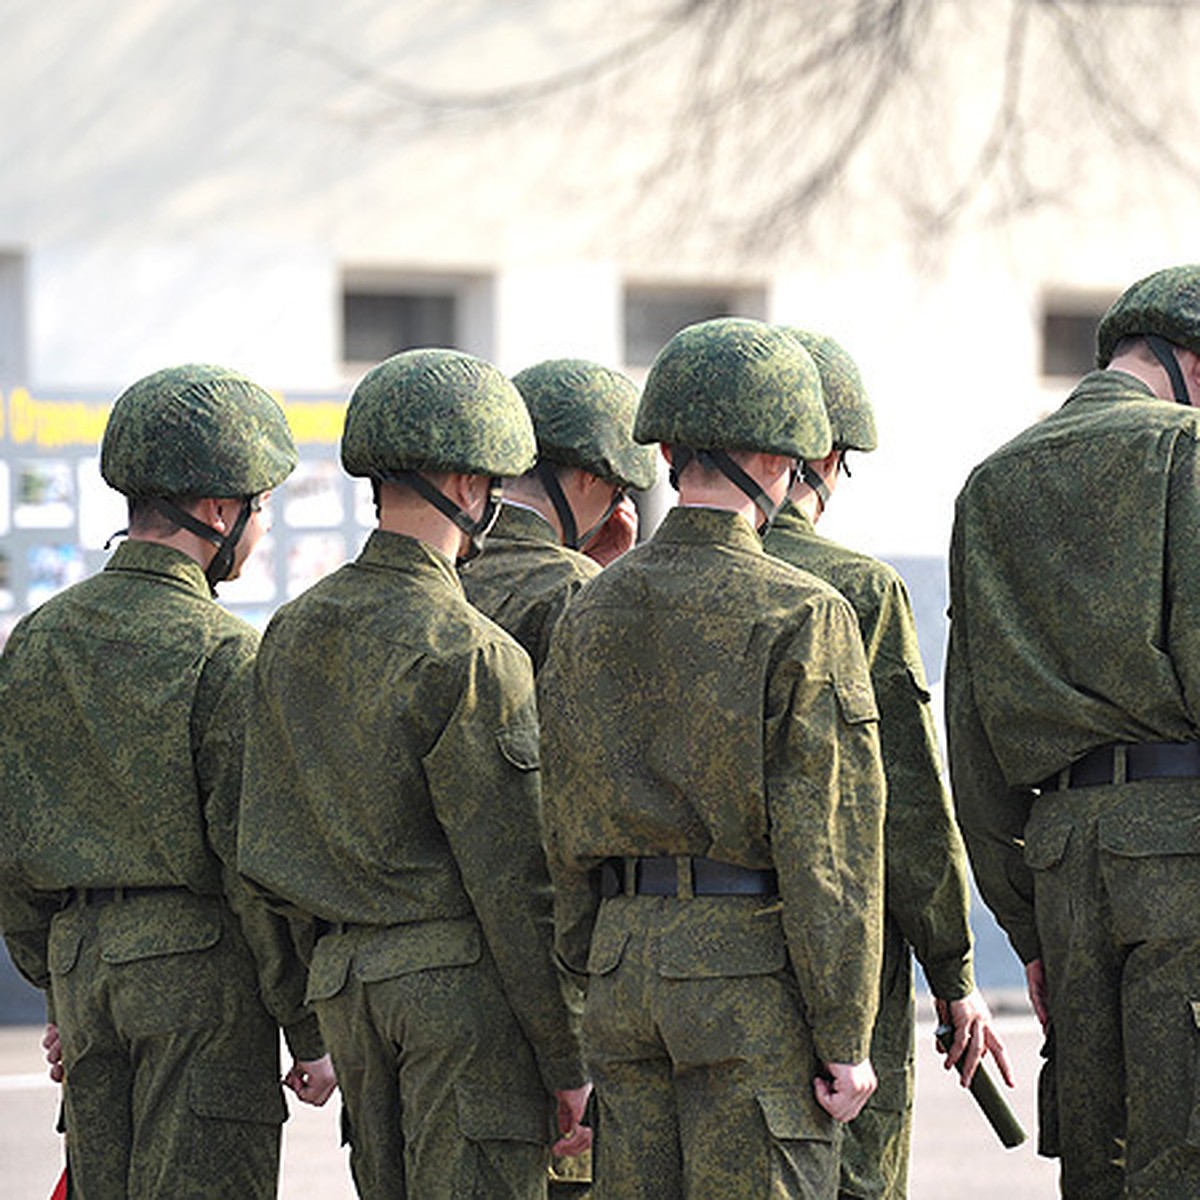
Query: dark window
(654, 315)
(377, 324)
(1069, 341)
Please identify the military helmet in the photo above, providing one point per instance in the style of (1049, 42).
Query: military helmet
(851, 417)
(1165, 304)
(436, 410)
(196, 430)
(583, 417)
(735, 384)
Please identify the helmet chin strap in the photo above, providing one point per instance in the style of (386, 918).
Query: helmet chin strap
(1165, 353)
(226, 543)
(735, 474)
(548, 475)
(476, 530)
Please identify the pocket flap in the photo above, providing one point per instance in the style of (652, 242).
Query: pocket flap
(856, 699)
(793, 1116)
(231, 1093)
(499, 1115)
(148, 926)
(1169, 826)
(330, 967)
(519, 745)
(722, 943)
(402, 949)
(1046, 843)
(62, 952)
(608, 941)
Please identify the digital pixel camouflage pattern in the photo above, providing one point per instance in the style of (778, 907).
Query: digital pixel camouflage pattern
(124, 702)
(1075, 623)
(583, 417)
(1166, 303)
(392, 790)
(526, 578)
(735, 384)
(196, 430)
(436, 410)
(925, 869)
(703, 699)
(851, 417)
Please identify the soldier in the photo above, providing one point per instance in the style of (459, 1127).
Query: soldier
(124, 701)
(392, 793)
(587, 460)
(926, 894)
(1073, 710)
(714, 805)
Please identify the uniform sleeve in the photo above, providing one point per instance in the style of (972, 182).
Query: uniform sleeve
(992, 815)
(1182, 599)
(825, 796)
(484, 782)
(222, 708)
(925, 862)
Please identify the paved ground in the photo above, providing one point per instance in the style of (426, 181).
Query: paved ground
(955, 1153)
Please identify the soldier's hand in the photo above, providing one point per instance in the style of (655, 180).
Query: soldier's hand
(845, 1089)
(576, 1137)
(974, 1035)
(617, 534)
(314, 1081)
(52, 1044)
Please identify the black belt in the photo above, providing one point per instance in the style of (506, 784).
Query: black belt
(1143, 760)
(106, 895)
(660, 876)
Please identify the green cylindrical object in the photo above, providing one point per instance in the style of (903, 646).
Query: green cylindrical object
(1001, 1118)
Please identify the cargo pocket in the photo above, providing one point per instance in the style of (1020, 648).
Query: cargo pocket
(804, 1144)
(724, 948)
(236, 1115)
(856, 700)
(1150, 864)
(507, 1133)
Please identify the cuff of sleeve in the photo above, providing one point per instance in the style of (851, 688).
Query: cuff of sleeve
(1025, 942)
(844, 1040)
(304, 1040)
(950, 980)
(561, 1074)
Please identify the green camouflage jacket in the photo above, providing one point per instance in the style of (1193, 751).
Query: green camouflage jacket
(525, 578)
(702, 698)
(392, 772)
(1075, 613)
(925, 864)
(124, 702)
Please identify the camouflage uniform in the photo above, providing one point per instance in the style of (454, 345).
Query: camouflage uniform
(925, 867)
(124, 702)
(707, 703)
(927, 898)
(527, 578)
(1075, 581)
(392, 793)
(582, 417)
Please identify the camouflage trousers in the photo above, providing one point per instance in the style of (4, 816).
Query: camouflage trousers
(172, 1064)
(1117, 899)
(441, 1093)
(877, 1143)
(702, 1061)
